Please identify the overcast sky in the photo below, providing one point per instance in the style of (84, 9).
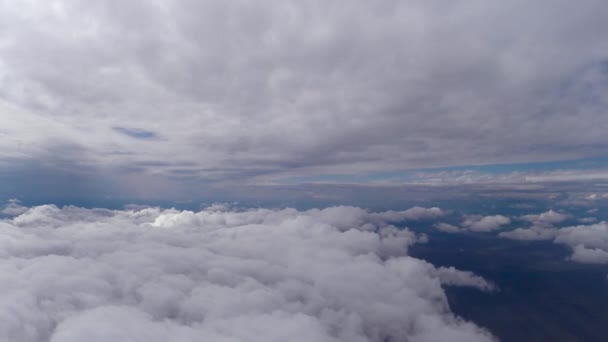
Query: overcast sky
(151, 97)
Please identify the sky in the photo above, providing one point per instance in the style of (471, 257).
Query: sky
(273, 170)
(176, 99)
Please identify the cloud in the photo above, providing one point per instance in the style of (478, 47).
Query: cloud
(413, 214)
(531, 234)
(580, 253)
(595, 196)
(547, 218)
(542, 227)
(13, 208)
(448, 228)
(589, 243)
(286, 88)
(452, 276)
(337, 274)
(477, 223)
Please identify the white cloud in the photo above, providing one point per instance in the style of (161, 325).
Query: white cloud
(13, 208)
(580, 253)
(452, 276)
(587, 220)
(531, 234)
(338, 274)
(448, 228)
(595, 235)
(477, 223)
(597, 196)
(589, 243)
(549, 217)
(542, 227)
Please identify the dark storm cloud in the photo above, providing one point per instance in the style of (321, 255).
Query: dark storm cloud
(279, 88)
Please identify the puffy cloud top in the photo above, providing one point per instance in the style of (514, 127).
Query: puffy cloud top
(478, 223)
(531, 234)
(13, 208)
(338, 274)
(448, 228)
(548, 217)
(589, 243)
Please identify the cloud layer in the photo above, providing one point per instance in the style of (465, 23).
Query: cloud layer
(216, 91)
(338, 274)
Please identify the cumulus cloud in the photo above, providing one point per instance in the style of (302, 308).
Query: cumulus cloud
(452, 276)
(542, 227)
(475, 223)
(531, 234)
(549, 217)
(478, 223)
(448, 228)
(337, 274)
(587, 219)
(13, 208)
(589, 243)
(580, 253)
(597, 196)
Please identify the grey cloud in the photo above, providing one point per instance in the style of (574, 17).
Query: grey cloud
(580, 253)
(587, 219)
(477, 223)
(452, 276)
(151, 274)
(542, 227)
(531, 234)
(589, 243)
(448, 228)
(13, 208)
(547, 218)
(286, 87)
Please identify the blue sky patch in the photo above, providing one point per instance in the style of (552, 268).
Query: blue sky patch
(136, 133)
